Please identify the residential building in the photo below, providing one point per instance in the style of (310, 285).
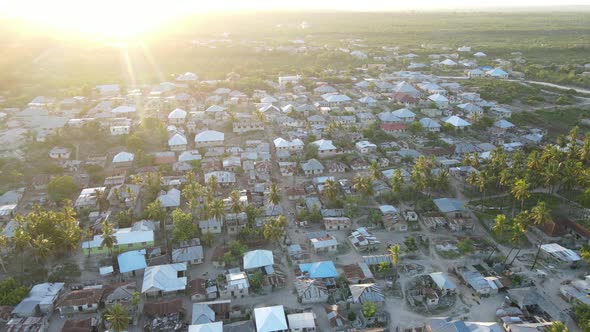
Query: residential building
(164, 279)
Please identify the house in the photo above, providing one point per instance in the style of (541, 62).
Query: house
(361, 239)
(132, 261)
(224, 178)
(337, 320)
(497, 73)
(393, 128)
(501, 112)
(164, 279)
(324, 88)
(209, 138)
(41, 299)
(191, 255)
(123, 111)
(237, 285)
(127, 240)
(430, 125)
(123, 159)
(442, 324)
(335, 166)
(325, 148)
(187, 156)
(169, 199)
(457, 122)
(199, 291)
(119, 293)
(88, 197)
(502, 126)
(244, 126)
(443, 282)
(214, 109)
(177, 116)
(124, 195)
(318, 270)
(301, 322)
(59, 152)
(7, 212)
(337, 223)
(322, 242)
(119, 130)
(440, 100)
(83, 300)
(388, 117)
(202, 314)
(312, 167)
(207, 327)
(231, 164)
(365, 147)
(258, 259)
(292, 80)
(270, 319)
(211, 225)
(235, 222)
(448, 63)
(311, 291)
(187, 77)
(559, 254)
(334, 99)
(358, 273)
(450, 207)
(475, 73)
(316, 120)
(361, 293)
(282, 144)
(177, 142)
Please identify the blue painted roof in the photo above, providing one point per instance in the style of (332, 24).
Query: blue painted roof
(132, 260)
(324, 269)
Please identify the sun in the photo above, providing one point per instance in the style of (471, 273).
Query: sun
(117, 19)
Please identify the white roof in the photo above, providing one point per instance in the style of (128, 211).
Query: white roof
(270, 319)
(442, 280)
(504, 124)
(164, 278)
(456, 121)
(209, 136)
(124, 236)
(258, 258)
(324, 144)
(123, 109)
(177, 114)
(208, 327)
(302, 320)
(386, 209)
(177, 139)
(221, 176)
(268, 100)
(480, 54)
(429, 123)
(403, 113)
(438, 98)
(123, 157)
(448, 62)
(215, 109)
(364, 144)
(561, 253)
(188, 76)
(190, 155)
(170, 199)
(335, 97)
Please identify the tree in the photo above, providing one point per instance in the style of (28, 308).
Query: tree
(384, 267)
(330, 191)
(311, 151)
(585, 253)
(520, 191)
(369, 309)
(61, 187)
(236, 204)
(374, 171)
(12, 292)
(394, 252)
(155, 211)
(415, 128)
(184, 227)
(108, 237)
(234, 253)
(275, 228)
(557, 326)
(118, 318)
(410, 244)
(212, 185)
(3, 245)
(540, 214)
(351, 316)
(397, 181)
(256, 280)
(363, 185)
(274, 195)
(500, 225)
(465, 246)
(207, 239)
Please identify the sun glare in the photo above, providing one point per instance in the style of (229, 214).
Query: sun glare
(116, 19)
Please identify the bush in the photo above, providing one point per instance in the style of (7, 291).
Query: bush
(11, 292)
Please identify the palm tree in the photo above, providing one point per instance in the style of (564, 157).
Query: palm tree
(213, 185)
(394, 252)
(500, 225)
(108, 237)
(481, 182)
(330, 190)
(118, 317)
(585, 253)
(3, 245)
(236, 204)
(397, 181)
(520, 225)
(101, 199)
(217, 209)
(363, 185)
(375, 173)
(274, 229)
(558, 326)
(540, 214)
(41, 247)
(520, 192)
(274, 195)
